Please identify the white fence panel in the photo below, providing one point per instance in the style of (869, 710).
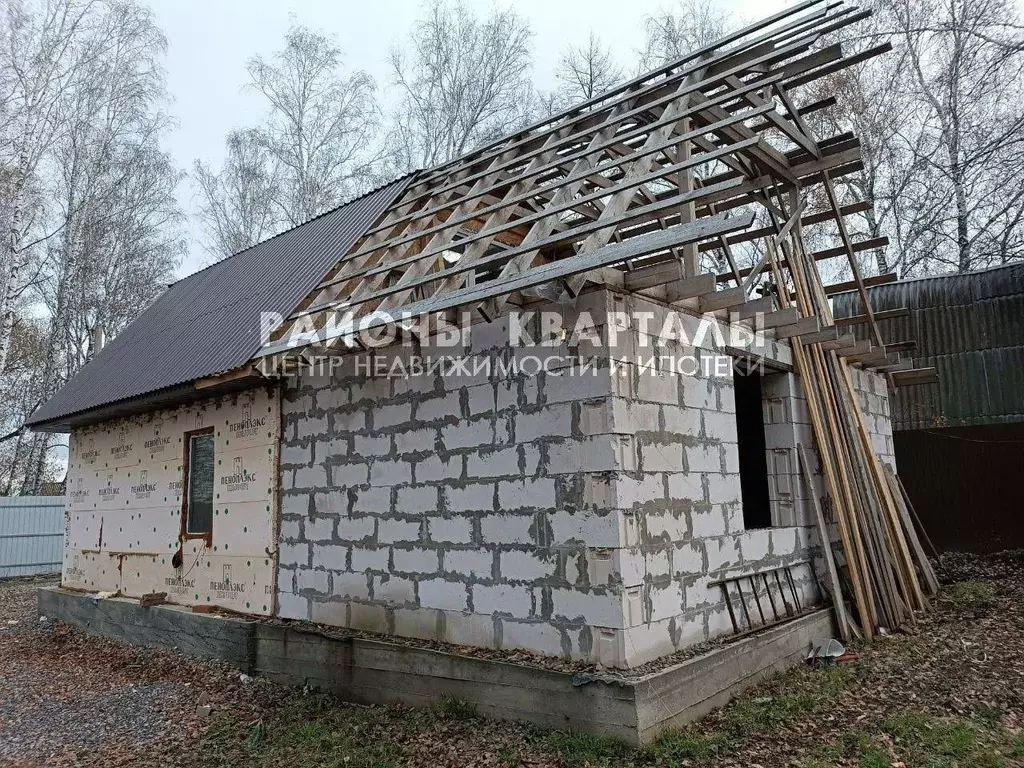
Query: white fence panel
(31, 535)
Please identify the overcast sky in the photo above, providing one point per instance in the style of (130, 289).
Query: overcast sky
(210, 41)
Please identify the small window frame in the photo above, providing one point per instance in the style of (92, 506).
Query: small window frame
(186, 471)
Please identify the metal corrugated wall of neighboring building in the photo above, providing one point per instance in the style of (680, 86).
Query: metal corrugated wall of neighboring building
(31, 535)
(960, 443)
(969, 327)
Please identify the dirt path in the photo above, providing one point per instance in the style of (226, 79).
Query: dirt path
(950, 695)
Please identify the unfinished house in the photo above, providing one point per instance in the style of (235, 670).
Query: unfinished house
(579, 392)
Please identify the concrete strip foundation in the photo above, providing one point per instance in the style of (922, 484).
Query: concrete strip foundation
(370, 671)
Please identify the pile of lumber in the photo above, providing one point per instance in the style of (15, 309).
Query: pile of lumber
(888, 575)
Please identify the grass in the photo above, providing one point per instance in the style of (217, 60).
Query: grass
(309, 731)
(920, 740)
(973, 597)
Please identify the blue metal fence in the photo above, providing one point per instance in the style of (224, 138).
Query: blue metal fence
(31, 535)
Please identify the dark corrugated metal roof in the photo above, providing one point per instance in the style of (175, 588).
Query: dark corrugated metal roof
(970, 327)
(209, 322)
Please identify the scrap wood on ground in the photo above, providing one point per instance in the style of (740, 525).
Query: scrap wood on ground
(946, 692)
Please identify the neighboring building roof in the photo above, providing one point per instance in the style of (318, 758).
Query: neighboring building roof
(209, 322)
(970, 327)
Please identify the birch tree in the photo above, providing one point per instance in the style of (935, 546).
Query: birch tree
(43, 58)
(320, 125)
(236, 204)
(966, 61)
(586, 71)
(461, 80)
(676, 31)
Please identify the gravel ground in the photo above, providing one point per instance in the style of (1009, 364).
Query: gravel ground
(66, 697)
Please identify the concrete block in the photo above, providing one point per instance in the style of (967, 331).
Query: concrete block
(349, 475)
(291, 530)
(434, 468)
(708, 523)
(526, 566)
(444, 595)
(293, 554)
(688, 558)
(415, 560)
(719, 426)
(666, 525)
(686, 486)
(376, 501)
(333, 613)
(369, 446)
(533, 493)
(594, 384)
(332, 502)
(310, 477)
(439, 408)
(394, 589)
(467, 435)
(391, 415)
(348, 421)
(320, 528)
(501, 462)
(585, 527)
(540, 637)
(471, 498)
(391, 530)
(349, 585)
(308, 579)
(297, 453)
(468, 629)
(469, 562)
(455, 530)
(415, 622)
(333, 557)
(704, 458)
(502, 599)
(368, 617)
(373, 559)
(681, 420)
(415, 441)
(292, 606)
(356, 528)
(390, 473)
(603, 610)
(417, 500)
(631, 416)
(755, 545)
(632, 491)
(293, 503)
(661, 457)
(505, 528)
(551, 421)
(657, 387)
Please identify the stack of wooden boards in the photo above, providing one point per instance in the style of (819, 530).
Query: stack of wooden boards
(888, 574)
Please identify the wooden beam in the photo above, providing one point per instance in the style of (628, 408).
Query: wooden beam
(750, 309)
(730, 297)
(885, 314)
(915, 376)
(860, 348)
(829, 333)
(780, 317)
(799, 328)
(690, 288)
(846, 340)
(901, 346)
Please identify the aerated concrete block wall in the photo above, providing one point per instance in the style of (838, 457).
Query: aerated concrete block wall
(576, 514)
